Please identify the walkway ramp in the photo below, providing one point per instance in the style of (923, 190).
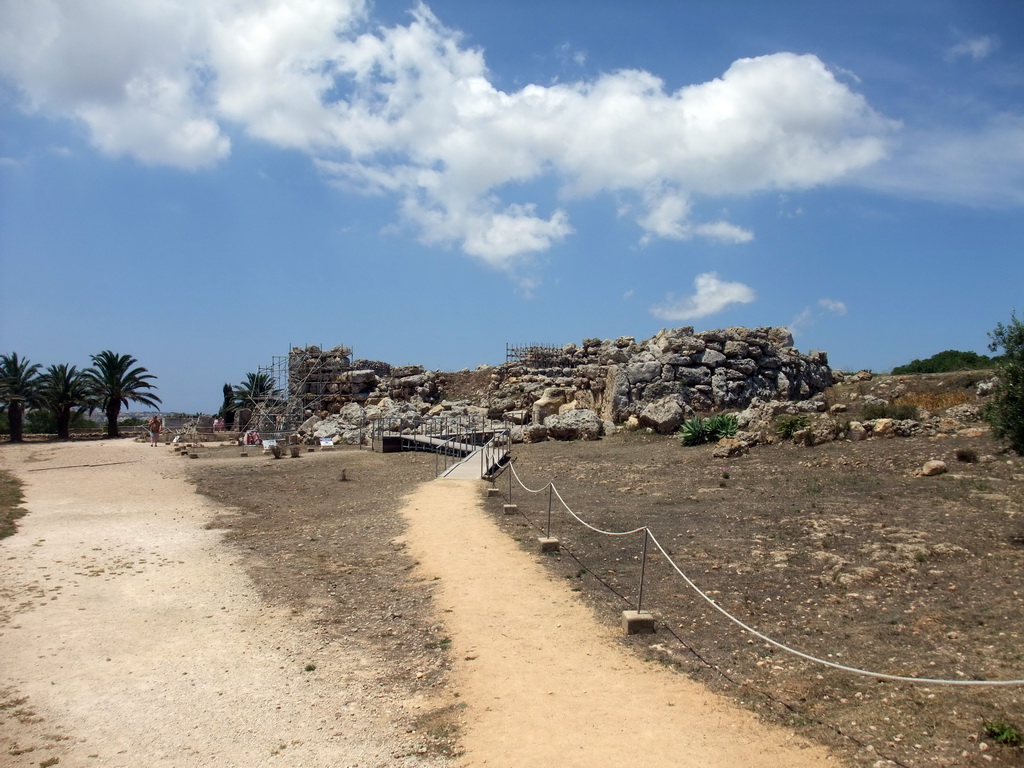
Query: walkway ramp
(480, 464)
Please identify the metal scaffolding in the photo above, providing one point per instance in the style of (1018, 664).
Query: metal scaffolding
(302, 381)
(535, 355)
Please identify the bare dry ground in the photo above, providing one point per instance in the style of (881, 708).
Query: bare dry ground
(841, 551)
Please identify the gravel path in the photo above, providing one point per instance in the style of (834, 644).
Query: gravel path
(130, 637)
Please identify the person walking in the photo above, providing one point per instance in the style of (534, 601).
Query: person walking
(154, 426)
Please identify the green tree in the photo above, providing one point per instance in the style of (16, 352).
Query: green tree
(946, 362)
(63, 388)
(1006, 411)
(115, 381)
(255, 390)
(227, 408)
(19, 391)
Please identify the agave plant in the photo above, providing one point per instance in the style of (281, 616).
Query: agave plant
(694, 431)
(723, 425)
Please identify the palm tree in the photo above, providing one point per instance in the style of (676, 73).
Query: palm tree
(255, 390)
(19, 390)
(62, 388)
(115, 382)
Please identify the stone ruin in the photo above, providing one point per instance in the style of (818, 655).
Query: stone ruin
(579, 391)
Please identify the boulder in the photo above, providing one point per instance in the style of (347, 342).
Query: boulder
(580, 424)
(882, 428)
(728, 448)
(535, 433)
(663, 416)
(932, 468)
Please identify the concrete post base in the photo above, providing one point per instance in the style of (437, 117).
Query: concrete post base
(638, 622)
(549, 544)
(491, 492)
(510, 509)
(243, 454)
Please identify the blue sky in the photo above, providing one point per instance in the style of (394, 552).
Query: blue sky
(203, 184)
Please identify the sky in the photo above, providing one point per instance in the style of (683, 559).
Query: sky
(204, 184)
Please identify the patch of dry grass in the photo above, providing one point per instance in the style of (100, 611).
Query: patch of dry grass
(10, 503)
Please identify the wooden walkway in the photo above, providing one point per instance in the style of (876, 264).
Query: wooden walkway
(471, 465)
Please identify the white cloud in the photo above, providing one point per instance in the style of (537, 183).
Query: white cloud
(409, 112)
(798, 324)
(982, 166)
(809, 316)
(711, 296)
(833, 306)
(976, 48)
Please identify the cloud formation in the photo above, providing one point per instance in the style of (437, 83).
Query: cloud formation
(408, 111)
(710, 296)
(808, 316)
(981, 166)
(976, 48)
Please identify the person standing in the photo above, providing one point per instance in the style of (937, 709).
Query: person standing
(154, 426)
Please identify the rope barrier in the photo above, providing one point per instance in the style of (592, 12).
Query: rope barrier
(568, 509)
(746, 627)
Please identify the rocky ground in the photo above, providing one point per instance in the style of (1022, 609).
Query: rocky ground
(842, 550)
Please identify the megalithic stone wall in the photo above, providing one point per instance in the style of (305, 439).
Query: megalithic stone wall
(660, 381)
(670, 376)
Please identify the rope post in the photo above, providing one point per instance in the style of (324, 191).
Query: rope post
(639, 621)
(548, 543)
(549, 509)
(643, 569)
(510, 508)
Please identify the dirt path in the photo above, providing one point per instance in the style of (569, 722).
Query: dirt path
(130, 636)
(542, 681)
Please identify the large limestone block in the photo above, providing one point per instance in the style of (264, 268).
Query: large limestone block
(579, 424)
(663, 416)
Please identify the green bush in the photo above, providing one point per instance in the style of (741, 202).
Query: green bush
(1006, 411)
(694, 431)
(897, 411)
(1003, 732)
(697, 430)
(41, 421)
(947, 362)
(788, 426)
(723, 425)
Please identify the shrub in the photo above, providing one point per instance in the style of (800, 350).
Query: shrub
(934, 401)
(897, 411)
(1002, 732)
(697, 430)
(967, 455)
(790, 425)
(1006, 411)
(723, 425)
(694, 431)
(946, 362)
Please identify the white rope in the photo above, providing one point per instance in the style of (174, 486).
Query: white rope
(588, 525)
(738, 622)
(522, 485)
(568, 509)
